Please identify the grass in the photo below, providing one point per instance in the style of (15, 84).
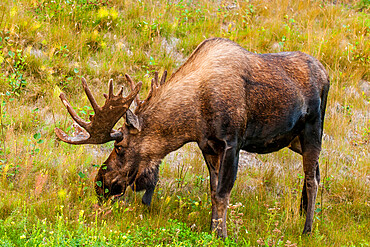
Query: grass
(46, 187)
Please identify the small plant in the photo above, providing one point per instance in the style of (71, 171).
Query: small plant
(275, 235)
(83, 187)
(2, 129)
(15, 64)
(150, 67)
(247, 14)
(327, 183)
(85, 111)
(36, 141)
(149, 29)
(235, 220)
(355, 53)
(95, 41)
(106, 18)
(199, 180)
(74, 10)
(62, 51)
(363, 5)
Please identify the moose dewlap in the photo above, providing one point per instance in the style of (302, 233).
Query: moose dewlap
(225, 99)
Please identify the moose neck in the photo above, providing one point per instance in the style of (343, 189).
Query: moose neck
(170, 119)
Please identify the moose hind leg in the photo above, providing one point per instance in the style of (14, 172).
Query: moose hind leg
(296, 146)
(304, 198)
(226, 178)
(310, 151)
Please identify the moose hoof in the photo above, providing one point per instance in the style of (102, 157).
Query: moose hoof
(306, 231)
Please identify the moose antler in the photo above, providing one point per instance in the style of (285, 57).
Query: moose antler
(100, 128)
(153, 87)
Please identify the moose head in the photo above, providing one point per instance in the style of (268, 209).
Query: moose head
(122, 168)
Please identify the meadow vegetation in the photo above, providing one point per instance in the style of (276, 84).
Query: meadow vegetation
(47, 193)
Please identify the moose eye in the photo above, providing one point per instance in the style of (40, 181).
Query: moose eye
(118, 149)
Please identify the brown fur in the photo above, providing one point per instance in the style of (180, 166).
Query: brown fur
(225, 99)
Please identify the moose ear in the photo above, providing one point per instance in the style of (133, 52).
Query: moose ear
(132, 121)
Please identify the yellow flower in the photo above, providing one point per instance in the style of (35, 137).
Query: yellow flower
(13, 11)
(113, 14)
(103, 13)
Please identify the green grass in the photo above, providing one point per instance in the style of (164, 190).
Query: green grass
(46, 187)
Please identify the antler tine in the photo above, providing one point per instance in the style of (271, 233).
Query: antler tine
(163, 78)
(89, 95)
(152, 86)
(72, 112)
(155, 79)
(132, 86)
(134, 93)
(110, 85)
(120, 92)
(155, 84)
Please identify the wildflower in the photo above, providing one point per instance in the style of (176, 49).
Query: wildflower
(260, 241)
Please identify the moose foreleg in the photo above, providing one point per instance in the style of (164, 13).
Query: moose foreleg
(147, 197)
(226, 178)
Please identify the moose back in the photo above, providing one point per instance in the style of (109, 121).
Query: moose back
(225, 99)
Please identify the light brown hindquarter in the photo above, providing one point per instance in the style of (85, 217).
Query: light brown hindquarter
(281, 93)
(238, 86)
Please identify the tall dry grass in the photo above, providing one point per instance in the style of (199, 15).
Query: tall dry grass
(46, 189)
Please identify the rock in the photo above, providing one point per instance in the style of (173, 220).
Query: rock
(365, 87)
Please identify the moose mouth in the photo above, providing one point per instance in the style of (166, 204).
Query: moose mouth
(117, 198)
(106, 193)
(105, 197)
(115, 191)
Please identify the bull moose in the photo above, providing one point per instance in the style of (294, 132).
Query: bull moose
(225, 99)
